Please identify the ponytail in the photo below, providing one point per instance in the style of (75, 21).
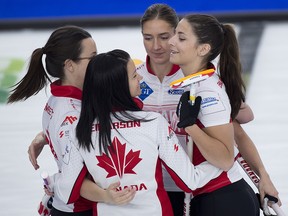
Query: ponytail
(64, 43)
(34, 80)
(230, 70)
(223, 42)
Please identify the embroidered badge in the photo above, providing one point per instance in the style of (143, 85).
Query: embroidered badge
(145, 91)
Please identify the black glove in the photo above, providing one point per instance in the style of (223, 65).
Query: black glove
(186, 112)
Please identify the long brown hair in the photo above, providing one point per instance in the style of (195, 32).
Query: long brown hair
(64, 43)
(223, 42)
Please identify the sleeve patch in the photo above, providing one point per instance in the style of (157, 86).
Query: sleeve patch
(211, 103)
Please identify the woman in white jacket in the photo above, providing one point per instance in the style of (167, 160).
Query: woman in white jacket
(120, 142)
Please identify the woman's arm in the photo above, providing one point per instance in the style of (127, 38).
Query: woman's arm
(93, 192)
(216, 144)
(250, 153)
(245, 114)
(35, 149)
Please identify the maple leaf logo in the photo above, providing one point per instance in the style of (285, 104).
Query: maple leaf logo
(118, 163)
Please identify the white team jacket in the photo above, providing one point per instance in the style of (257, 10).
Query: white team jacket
(136, 163)
(159, 97)
(215, 110)
(139, 150)
(63, 108)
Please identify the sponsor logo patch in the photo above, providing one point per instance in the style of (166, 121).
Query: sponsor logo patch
(145, 91)
(211, 103)
(69, 120)
(175, 91)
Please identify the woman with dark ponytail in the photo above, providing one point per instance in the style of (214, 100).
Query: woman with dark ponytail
(67, 54)
(64, 44)
(199, 39)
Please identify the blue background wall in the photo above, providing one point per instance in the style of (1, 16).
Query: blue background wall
(57, 9)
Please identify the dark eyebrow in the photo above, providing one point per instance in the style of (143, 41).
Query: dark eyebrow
(164, 33)
(161, 34)
(180, 33)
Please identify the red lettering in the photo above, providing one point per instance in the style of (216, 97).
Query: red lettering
(176, 147)
(95, 127)
(48, 109)
(122, 125)
(245, 165)
(115, 125)
(129, 124)
(142, 187)
(137, 124)
(139, 187)
(134, 186)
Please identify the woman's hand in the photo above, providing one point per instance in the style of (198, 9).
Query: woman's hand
(121, 197)
(35, 148)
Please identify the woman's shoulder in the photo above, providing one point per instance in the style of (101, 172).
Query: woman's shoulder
(150, 114)
(213, 83)
(141, 67)
(62, 105)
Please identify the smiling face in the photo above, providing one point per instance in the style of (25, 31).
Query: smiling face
(133, 79)
(185, 49)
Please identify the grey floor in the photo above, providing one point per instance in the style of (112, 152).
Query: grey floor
(21, 186)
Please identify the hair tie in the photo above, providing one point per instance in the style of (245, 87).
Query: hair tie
(43, 50)
(223, 28)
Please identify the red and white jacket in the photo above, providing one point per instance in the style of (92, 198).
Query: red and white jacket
(63, 109)
(215, 110)
(159, 97)
(140, 150)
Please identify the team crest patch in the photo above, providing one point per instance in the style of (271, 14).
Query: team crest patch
(120, 161)
(145, 91)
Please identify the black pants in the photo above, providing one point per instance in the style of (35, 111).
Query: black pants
(237, 199)
(55, 212)
(177, 202)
